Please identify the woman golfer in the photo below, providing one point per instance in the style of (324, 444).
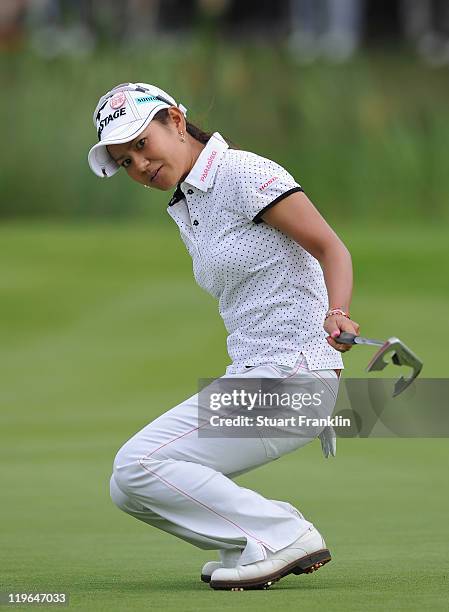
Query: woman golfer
(283, 281)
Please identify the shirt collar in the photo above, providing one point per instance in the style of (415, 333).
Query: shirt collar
(203, 173)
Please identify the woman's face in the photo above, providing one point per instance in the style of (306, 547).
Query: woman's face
(157, 157)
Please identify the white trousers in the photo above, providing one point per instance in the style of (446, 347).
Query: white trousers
(169, 477)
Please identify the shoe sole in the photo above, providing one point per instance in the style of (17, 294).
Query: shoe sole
(305, 565)
(206, 577)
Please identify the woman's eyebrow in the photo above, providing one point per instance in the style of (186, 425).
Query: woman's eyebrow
(130, 146)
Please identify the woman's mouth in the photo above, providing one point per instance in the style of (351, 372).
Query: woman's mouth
(155, 174)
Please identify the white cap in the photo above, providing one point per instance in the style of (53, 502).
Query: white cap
(120, 116)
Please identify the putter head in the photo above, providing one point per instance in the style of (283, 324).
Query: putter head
(401, 356)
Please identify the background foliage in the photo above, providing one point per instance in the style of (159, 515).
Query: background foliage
(366, 139)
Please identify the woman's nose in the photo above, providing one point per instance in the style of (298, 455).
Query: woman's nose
(144, 164)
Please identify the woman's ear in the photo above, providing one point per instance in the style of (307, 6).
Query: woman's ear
(177, 117)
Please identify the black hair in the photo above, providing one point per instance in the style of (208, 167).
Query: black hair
(196, 132)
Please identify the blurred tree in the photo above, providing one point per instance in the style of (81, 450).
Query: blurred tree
(12, 18)
(426, 25)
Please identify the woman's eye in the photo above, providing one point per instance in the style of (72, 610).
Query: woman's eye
(140, 144)
(126, 163)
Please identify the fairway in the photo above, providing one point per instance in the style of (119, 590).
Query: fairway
(103, 329)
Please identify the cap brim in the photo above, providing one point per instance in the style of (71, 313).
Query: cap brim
(100, 162)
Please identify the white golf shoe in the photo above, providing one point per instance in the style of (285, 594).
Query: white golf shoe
(229, 558)
(307, 554)
(208, 570)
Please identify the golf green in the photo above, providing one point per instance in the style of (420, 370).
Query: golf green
(103, 329)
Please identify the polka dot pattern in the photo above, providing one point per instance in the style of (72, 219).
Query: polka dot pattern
(271, 292)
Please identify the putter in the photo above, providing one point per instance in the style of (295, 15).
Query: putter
(402, 356)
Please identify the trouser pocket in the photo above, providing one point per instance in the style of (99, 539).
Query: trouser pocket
(276, 447)
(310, 399)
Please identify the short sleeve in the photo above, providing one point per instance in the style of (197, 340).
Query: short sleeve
(261, 183)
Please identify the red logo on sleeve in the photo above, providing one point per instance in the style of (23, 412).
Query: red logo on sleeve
(268, 183)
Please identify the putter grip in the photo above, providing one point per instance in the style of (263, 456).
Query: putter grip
(346, 338)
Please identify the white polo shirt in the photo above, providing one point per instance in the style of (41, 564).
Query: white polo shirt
(271, 292)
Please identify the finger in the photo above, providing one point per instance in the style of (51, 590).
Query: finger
(343, 348)
(340, 345)
(333, 329)
(335, 333)
(334, 337)
(349, 326)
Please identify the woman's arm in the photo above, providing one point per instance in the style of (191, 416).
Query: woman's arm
(297, 217)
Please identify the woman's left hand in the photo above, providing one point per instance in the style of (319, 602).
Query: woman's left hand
(334, 325)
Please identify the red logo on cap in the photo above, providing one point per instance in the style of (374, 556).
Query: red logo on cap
(118, 99)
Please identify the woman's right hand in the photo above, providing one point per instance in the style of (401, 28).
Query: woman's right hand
(334, 325)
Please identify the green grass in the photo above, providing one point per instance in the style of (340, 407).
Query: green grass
(103, 329)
